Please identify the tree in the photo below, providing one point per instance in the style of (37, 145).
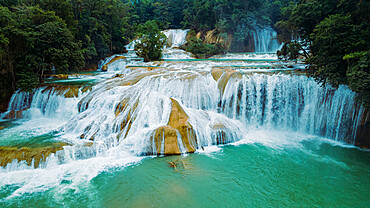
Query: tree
(331, 40)
(358, 74)
(150, 42)
(35, 41)
(203, 50)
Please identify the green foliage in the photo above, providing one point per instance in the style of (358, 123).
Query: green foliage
(34, 41)
(358, 74)
(59, 34)
(37, 36)
(27, 80)
(150, 42)
(337, 33)
(101, 26)
(203, 50)
(290, 51)
(331, 40)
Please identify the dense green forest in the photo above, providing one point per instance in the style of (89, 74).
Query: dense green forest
(38, 36)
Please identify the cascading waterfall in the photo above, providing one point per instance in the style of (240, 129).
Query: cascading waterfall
(139, 112)
(70, 134)
(265, 40)
(288, 102)
(117, 114)
(294, 103)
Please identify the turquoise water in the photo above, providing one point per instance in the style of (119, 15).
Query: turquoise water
(305, 171)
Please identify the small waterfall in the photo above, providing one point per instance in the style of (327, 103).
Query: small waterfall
(50, 101)
(265, 40)
(107, 60)
(175, 38)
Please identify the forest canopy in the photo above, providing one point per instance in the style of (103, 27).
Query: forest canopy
(41, 36)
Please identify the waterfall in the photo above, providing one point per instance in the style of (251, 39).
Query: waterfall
(265, 40)
(50, 101)
(294, 103)
(160, 111)
(287, 102)
(120, 115)
(116, 112)
(175, 38)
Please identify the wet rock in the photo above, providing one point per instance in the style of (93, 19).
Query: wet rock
(88, 144)
(177, 128)
(60, 76)
(15, 114)
(105, 66)
(363, 131)
(35, 155)
(69, 91)
(170, 143)
(223, 75)
(1, 128)
(219, 132)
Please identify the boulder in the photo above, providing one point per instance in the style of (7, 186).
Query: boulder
(178, 128)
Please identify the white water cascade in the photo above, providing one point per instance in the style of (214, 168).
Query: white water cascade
(195, 105)
(287, 102)
(176, 37)
(265, 40)
(294, 103)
